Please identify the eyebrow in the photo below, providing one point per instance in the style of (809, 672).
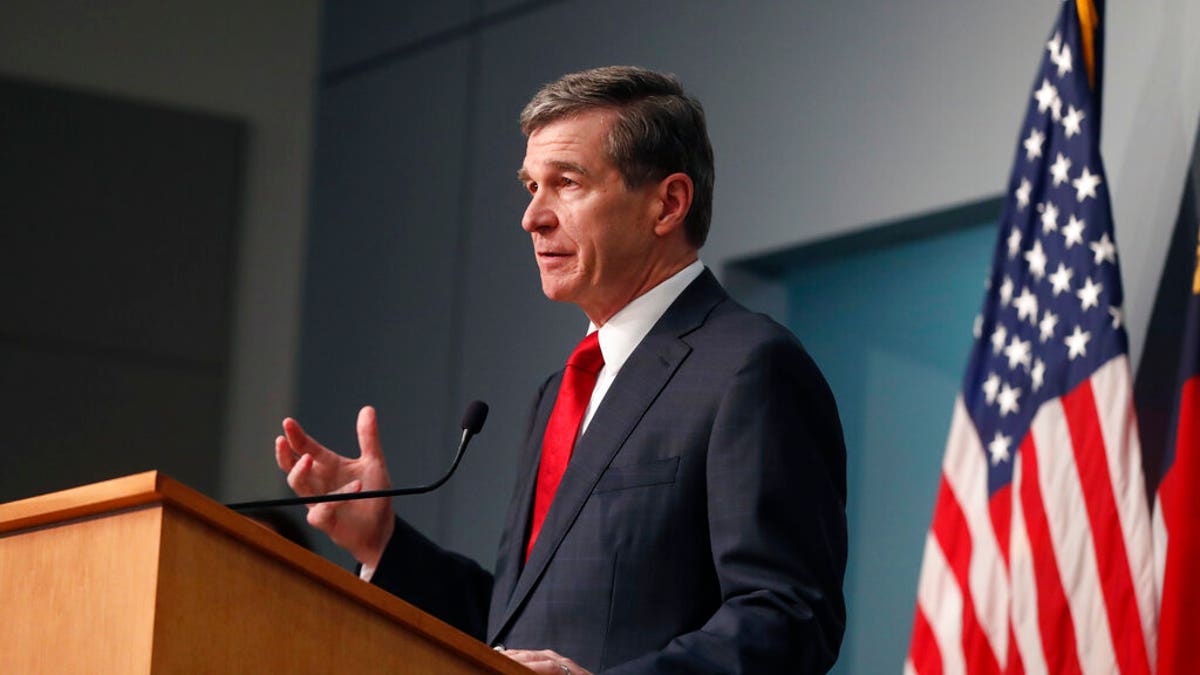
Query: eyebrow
(524, 177)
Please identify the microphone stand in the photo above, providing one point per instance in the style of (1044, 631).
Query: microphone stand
(472, 423)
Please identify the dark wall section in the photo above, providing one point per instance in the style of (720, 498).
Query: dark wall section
(117, 249)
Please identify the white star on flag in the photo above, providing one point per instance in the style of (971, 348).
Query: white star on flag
(1014, 242)
(1115, 313)
(1036, 257)
(1008, 399)
(1038, 374)
(1061, 279)
(999, 336)
(1027, 306)
(1073, 232)
(1054, 45)
(1085, 185)
(1063, 60)
(1006, 291)
(1047, 325)
(1056, 109)
(1018, 353)
(1033, 144)
(990, 387)
(1022, 192)
(1089, 295)
(1071, 123)
(1104, 250)
(1077, 343)
(1059, 170)
(999, 448)
(1045, 96)
(1049, 217)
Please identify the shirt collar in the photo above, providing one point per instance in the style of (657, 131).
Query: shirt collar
(622, 333)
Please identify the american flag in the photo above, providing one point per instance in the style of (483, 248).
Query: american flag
(1039, 558)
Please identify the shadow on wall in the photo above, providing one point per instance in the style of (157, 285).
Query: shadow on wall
(118, 255)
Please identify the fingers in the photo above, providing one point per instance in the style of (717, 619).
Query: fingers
(298, 477)
(545, 661)
(324, 516)
(368, 433)
(302, 443)
(285, 456)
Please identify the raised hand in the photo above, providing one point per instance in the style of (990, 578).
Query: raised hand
(362, 527)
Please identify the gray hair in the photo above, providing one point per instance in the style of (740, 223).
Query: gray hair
(659, 130)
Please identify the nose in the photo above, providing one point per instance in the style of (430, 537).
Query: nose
(538, 215)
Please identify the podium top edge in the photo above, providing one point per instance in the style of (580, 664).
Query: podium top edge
(87, 500)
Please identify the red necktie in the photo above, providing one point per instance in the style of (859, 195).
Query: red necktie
(579, 379)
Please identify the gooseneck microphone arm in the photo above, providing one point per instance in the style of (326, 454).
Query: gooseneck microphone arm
(472, 422)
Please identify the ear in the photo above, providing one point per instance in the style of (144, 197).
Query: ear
(675, 200)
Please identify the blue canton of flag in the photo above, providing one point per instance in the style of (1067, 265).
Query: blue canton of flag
(1052, 314)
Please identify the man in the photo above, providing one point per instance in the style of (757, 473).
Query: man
(680, 504)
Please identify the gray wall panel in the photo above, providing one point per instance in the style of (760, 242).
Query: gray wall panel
(254, 61)
(119, 228)
(119, 221)
(353, 30)
(71, 417)
(379, 323)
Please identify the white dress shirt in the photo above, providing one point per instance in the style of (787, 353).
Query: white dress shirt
(621, 334)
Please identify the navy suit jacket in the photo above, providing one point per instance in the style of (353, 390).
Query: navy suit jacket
(699, 527)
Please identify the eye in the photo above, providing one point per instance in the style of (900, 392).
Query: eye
(532, 187)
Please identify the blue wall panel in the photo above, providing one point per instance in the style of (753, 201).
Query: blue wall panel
(891, 328)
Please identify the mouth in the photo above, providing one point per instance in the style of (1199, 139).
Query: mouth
(553, 261)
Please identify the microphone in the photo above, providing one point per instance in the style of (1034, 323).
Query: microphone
(472, 423)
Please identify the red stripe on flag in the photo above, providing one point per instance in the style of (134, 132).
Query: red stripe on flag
(954, 538)
(1014, 665)
(923, 651)
(1054, 614)
(1180, 617)
(1124, 618)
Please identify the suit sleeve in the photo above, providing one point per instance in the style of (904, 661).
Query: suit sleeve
(776, 497)
(448, 585)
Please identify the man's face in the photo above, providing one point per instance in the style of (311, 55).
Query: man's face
(593, 237)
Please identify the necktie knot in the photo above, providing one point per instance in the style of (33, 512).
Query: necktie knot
(587, 355)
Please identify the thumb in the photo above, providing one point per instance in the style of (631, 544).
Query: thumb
(353, 486)
(368, 434)
(323, 516)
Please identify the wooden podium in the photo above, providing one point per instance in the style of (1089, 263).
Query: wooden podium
(144, 575)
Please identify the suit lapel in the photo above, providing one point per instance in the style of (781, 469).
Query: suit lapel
(643, 376)
(509, 559)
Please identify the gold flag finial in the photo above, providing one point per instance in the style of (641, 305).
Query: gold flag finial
(1196, 278)
(1089, 18)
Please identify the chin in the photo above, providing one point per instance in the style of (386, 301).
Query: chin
(558, 292)
(555, 294)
